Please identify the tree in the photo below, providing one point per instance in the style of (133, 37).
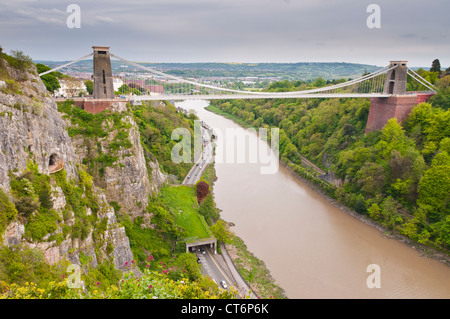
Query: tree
(124, 89)
(319, 82)
(8, 211)
(202, 191)
(434, 186)
(436, 66)
(208, 209)
(26, 205)
(23, 61)
(221, 231)
(442, 98)
(188, 262)
(372, 178)
(89, 86)
(392, 138)
(50, 80)
(444, 230)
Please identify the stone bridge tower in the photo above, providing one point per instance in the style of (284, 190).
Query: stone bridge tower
(103, 98)
(399, 103)
(103, 82)
(396, 78)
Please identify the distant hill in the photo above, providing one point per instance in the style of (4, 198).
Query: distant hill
(291, 71)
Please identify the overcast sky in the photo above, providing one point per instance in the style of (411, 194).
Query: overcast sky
(231, 30)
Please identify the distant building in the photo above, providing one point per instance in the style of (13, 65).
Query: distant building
(117, 83)
(151, 88)
(71, 87)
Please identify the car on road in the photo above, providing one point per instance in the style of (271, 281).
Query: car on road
(189, 177)
(203, 251)
(224, 284)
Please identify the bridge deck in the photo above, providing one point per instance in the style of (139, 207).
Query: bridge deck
(179, 97)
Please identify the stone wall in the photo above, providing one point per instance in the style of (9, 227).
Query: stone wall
(396, 106)
(98, 105)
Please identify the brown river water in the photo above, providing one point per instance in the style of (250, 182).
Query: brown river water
(311, 247)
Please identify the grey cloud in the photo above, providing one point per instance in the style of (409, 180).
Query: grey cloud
(231, 30)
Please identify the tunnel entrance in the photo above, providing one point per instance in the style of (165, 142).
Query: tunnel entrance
(55, 163)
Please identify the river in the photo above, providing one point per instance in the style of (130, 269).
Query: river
(311, 247)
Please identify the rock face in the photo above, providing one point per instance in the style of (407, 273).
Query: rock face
(31, 128)
(130, 180)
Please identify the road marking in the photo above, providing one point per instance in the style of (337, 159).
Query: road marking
(226, 277)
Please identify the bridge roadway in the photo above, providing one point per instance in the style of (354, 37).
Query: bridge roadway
(183, 97)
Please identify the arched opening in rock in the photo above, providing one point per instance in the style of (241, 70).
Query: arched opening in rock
(55, 163)
(53, 159)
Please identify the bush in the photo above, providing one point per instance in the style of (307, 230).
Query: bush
(21, 266)
(8, 211)
(26, 205)
(42, 224)
(18, 60)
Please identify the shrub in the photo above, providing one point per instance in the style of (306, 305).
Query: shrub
(42, 224)
(26, 205)
(8, 211)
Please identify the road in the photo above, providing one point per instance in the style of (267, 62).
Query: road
(214, 266)
(206, 157)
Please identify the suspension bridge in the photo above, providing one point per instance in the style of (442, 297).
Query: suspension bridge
(137, 82)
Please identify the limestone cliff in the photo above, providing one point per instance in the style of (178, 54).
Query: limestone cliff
(30, 127)
(32, 130)
(128, 179)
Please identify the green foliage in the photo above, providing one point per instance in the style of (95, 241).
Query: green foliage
(8, 211)
(442, 98)
(254, 272)
(393, 175)
(109, 130)
(41, 224)
(182, 204)
(89, 86)
(434, 188)
(24, 265)
(132, 88)
(222, 232)
(51, 79)
(208, 209)
(435, 66)
(430, 76)
(156, 124)
(186, 265)
(32, 200)
(18, 60)
(151, 285)
(145, 241)
(79, 196)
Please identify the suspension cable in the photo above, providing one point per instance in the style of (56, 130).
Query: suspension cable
(64, 65)
(430, 86)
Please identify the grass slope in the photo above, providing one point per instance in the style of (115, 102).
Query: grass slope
(183, 201)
